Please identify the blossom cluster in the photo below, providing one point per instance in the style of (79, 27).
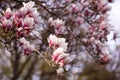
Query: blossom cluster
(91, 15)
(96, 38)
(21, 21)
(58, 24)
(59, 46)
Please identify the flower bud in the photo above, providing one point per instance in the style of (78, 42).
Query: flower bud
(60, 71)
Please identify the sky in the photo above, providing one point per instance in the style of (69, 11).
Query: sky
(114, 20)
(115, 15)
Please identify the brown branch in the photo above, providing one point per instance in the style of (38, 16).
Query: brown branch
(15, 61)
(21, 69)
(30, 70)
(45, 8)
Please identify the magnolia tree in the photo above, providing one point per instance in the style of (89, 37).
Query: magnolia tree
(60, 33)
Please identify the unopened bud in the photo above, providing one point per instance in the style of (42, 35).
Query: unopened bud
(60, 71)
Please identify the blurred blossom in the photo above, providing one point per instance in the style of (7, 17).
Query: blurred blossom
(79, 20)
(28, 48)
(29, 5)
(67, 67)
(50, 21)
(58, 24)
(8, 13)
(105, 56)
(6, 23)
(28, 22)
(102, 25)
(75, 70)
(74, 8)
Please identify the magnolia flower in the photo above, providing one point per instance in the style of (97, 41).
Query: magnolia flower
(18, 22)
(32, 12)
(8, 13)
(18, 14)
(52, 40)
(27, 51)
(103, 25)
(105, 58)
(74, 7)
(62, 43)
(6, 23)
(79, 20)
(50, 21)
(28, 22)
(58, 24)
(58, 56)
(20, 29)
(29, 4)
(23, 11)
(57, 42)
(26, 44)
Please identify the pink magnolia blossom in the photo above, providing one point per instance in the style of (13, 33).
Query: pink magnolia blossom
(29, 10)
(52, 40)
(62, 43)
(105, 56)
(29, 4)
(28, 48)
(28, 22)
(59, 56)
(103, 25)
(26, 43)
(18, 22)
(105, 59)
(57, 42)
(50, 21)
(74, 8)
(23, 11)
(79, 20)
(27, 51)
(8, 13)
(6, 23)
(58, 24)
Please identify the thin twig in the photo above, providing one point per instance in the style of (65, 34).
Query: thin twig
(46, 60)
